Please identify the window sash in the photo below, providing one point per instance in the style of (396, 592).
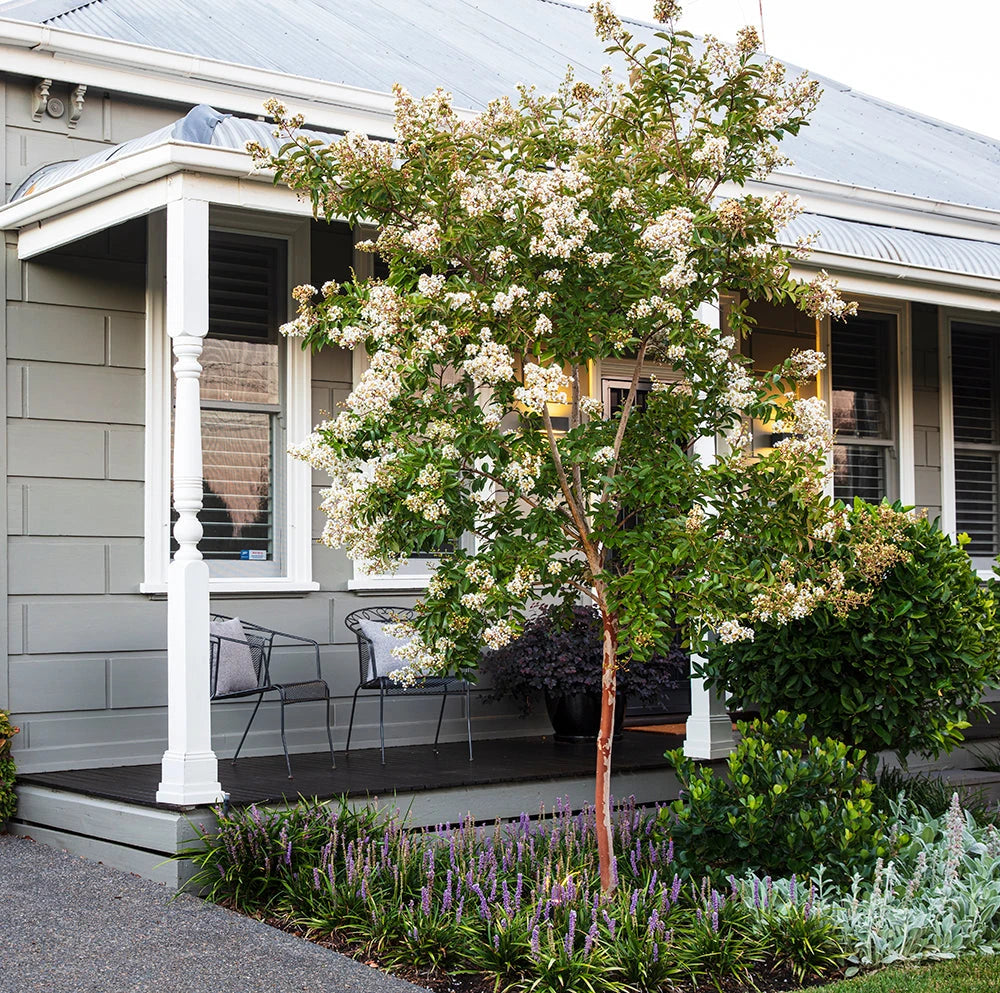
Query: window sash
(863, 390)
(975, 372)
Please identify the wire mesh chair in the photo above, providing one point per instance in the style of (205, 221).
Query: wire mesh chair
(261, 640)
(371, 682)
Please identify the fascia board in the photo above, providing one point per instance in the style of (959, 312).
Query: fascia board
(896, 281)
(37, 216)
(39, 51)
(871, 206)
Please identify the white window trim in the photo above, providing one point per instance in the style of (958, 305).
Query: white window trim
(946, 317)
(297, 414)
(902, 383)
(414, 575)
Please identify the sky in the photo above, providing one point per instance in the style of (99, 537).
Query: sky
(942, 59)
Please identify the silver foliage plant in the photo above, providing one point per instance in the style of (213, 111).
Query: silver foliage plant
(938, 899)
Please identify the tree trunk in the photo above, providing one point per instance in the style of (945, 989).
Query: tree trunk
(602, 791)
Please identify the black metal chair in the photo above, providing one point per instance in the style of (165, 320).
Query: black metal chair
(261, 640)
(370, 681)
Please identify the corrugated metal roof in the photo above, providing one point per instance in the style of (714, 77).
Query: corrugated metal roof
(900, 245)
(480, 49)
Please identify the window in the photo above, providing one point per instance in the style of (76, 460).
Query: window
(255, 398)
(861, 376)
(976, 424)
(241, 406)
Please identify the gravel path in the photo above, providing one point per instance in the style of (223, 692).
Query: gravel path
(68, 925)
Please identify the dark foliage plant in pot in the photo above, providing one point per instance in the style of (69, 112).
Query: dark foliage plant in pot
(559, 655)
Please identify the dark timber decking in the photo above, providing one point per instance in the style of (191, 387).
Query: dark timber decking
(407, 769)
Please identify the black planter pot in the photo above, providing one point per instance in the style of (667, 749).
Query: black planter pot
(577, 716)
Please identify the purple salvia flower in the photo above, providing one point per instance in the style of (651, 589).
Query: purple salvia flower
(670, 851)
(733, 887)
(506, 897)
(536, 949)
(315, 879)
(458, 909)
(715, 900)
(588, 943)
(654, 853)
(634, 864)
(654, 924)
(611, 923)
(756, 892)
(767, 891)
(571, 933)
(288, 852)
(517, 891)
(715, 921)
(633, 903)
(364, 887)
(652, 884)
(496, 942)
(614, 871)
(791, 890)
(425, 900)
(656, 953)
(675, 889)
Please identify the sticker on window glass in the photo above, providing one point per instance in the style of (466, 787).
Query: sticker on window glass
(253, 554)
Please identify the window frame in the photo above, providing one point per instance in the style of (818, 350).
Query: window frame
(947, 317)
(903, 484)
(293, 506)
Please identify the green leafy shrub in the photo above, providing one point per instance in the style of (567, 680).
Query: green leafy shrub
(8, 799)
(902, 671)
(789, 803)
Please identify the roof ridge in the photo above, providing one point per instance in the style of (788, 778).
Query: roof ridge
(43, 11)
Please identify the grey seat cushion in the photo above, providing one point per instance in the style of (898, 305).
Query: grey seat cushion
(235, 672)
(382, 662)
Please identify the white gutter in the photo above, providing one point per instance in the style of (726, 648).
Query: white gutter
(36, 50)
(871, 206)
(123, 173)
(900, 272)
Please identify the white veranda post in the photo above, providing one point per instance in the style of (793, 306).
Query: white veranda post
(190, 769)
(709, 731)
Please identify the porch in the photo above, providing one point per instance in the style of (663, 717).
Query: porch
(112, 814)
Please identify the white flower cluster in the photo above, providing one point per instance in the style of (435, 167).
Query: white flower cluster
(740, 389)
(522, 472)
(430, 286)
(379, 386)
(782, 208)
(605, 455)
(489, 362)
(824, 299)
(501, 257)
(732, 631)
(498, 634)
(712, 152)
(424, 239)
(807, 363)
(504, 302)
(542, 385)
(622, 197)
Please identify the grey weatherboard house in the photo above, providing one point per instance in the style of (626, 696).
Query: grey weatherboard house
(133, 224)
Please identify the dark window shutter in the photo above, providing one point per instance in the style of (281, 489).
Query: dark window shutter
(245, 286)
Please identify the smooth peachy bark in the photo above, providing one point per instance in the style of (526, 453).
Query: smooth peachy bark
(602, 791)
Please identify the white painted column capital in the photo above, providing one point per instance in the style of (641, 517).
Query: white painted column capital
(190, 769)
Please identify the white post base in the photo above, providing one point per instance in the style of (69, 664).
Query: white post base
(190, 779)
(709, 730)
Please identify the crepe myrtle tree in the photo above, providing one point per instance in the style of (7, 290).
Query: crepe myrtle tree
(526, 244)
